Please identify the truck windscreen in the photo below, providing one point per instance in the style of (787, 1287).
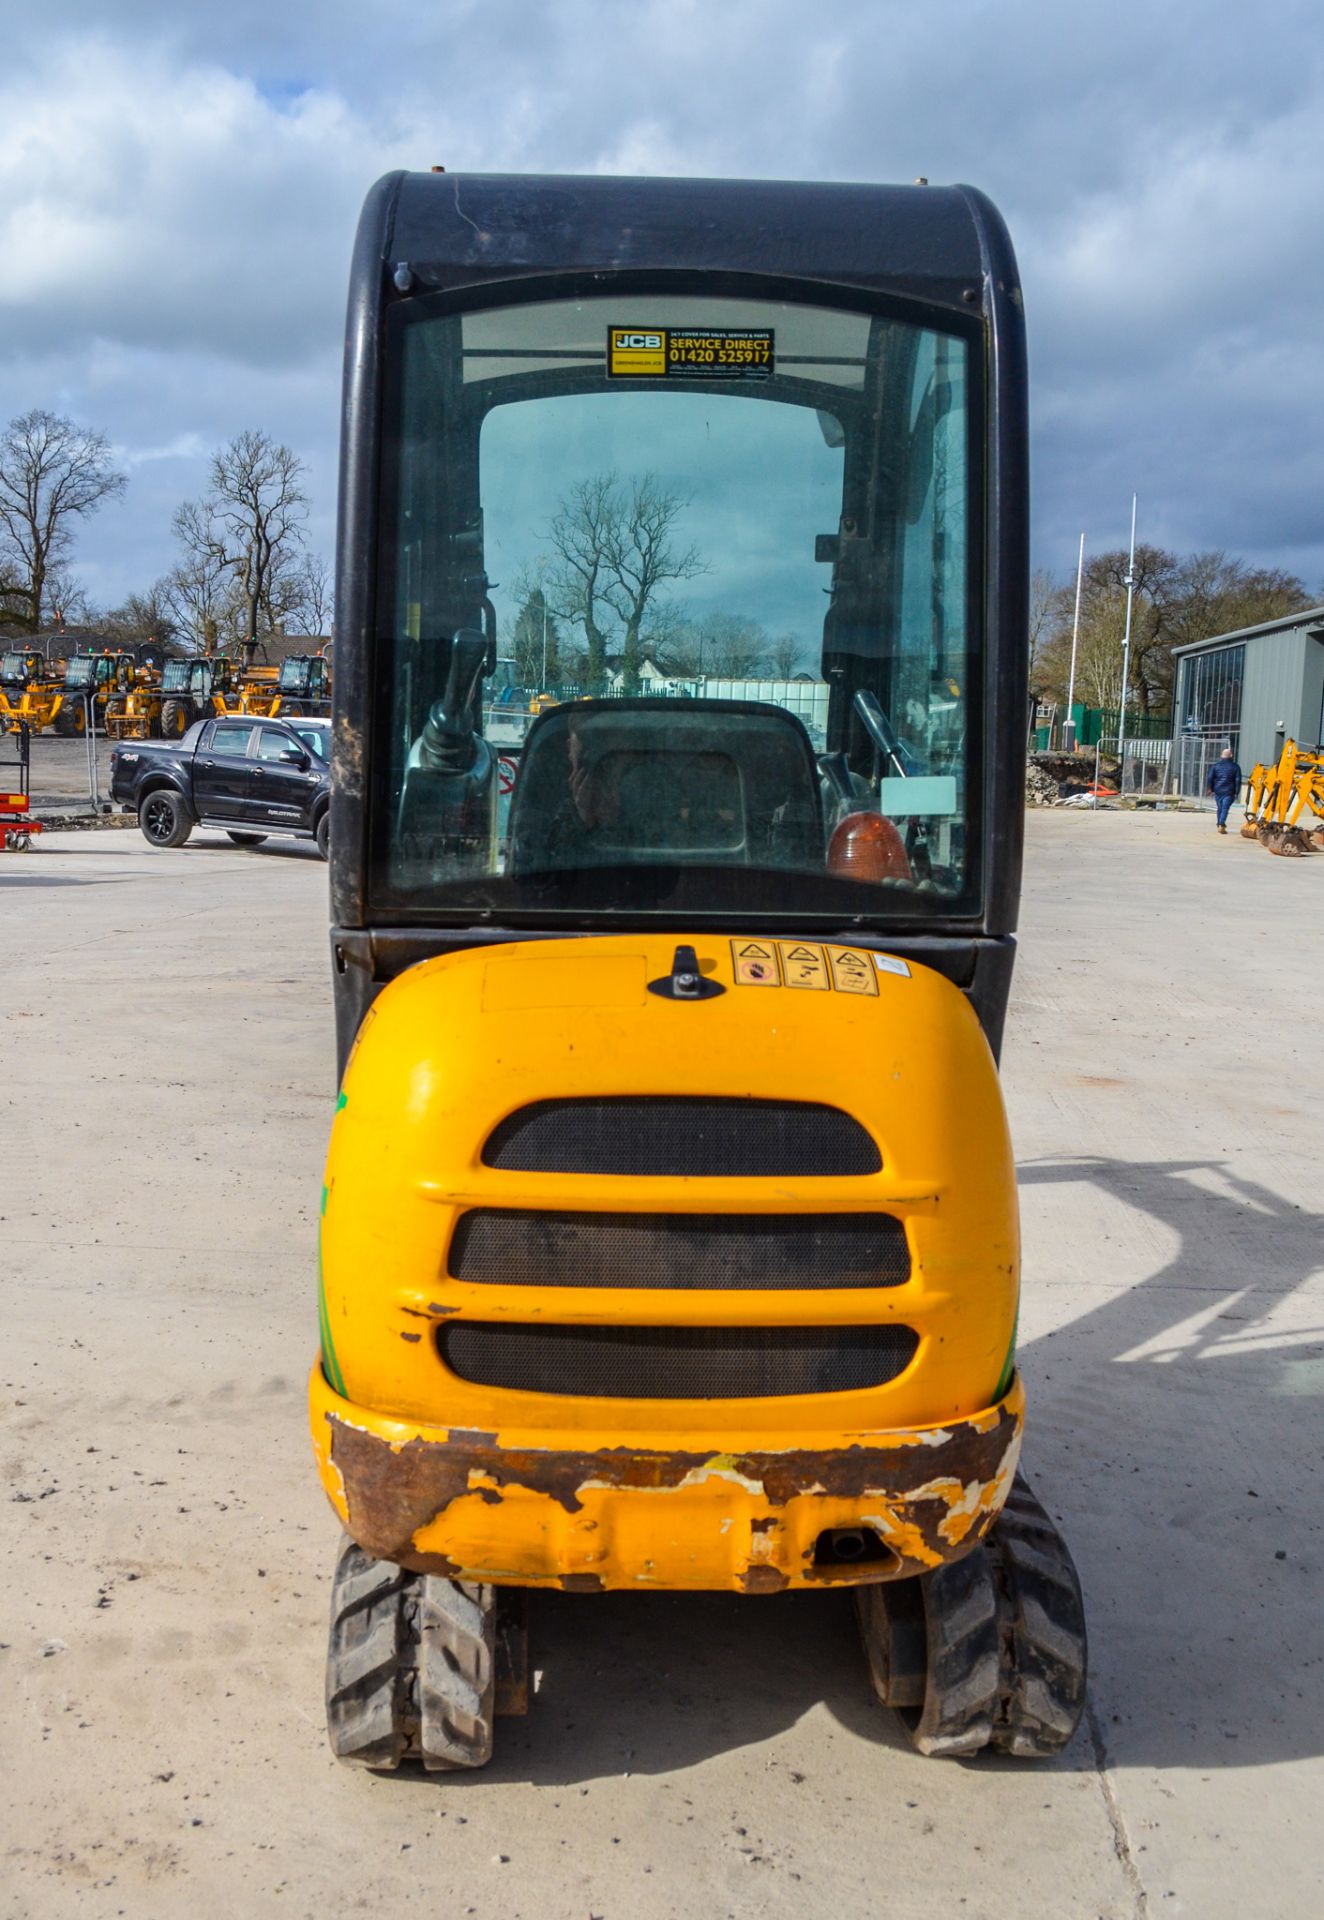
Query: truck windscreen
(713, 565)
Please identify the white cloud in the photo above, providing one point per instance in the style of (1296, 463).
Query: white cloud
(178, 196)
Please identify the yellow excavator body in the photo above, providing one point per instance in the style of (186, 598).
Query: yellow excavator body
(506, 1347)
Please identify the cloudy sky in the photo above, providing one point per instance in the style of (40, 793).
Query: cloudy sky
(179, 187)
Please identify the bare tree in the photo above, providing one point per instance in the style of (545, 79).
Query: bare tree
(249, 524)
(535, 641)
(316, 604)
(785, 655)
(612, 543)
(1177, 599)
(575, 585)
(732, 646)
(143, 616)
(1045, 600)
(200, 591)
(52, 474)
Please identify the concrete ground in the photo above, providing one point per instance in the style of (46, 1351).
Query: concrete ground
(164, 1098)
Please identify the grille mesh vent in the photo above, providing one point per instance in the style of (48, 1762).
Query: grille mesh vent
(683, 1137)
(676, 1363)
(495, 1247)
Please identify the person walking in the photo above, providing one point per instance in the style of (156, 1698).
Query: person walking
(1224, 783)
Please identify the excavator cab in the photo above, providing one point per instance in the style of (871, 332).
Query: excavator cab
(92, 682)
(669, 1233)
(21, 670)
(193, 690)
(303, 685)
(30, 689)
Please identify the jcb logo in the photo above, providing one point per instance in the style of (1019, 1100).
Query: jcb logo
(647, 341)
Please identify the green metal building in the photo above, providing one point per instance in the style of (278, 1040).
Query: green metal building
(1249, 690)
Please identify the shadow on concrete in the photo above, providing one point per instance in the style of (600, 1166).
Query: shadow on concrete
(655, 1683)
(1175, 1441)
(15, 880)
(1175, 1429)
(204, 841)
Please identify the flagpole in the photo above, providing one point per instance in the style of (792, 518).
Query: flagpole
(1070, 729)
(1126, 651)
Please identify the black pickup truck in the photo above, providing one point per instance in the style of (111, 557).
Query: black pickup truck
(250, 777)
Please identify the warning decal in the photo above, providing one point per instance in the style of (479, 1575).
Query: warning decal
(755, 963)
(851, 972)
(690, 353)
(803, 965)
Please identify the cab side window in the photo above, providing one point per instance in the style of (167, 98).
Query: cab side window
(231, 740)
(272, 743)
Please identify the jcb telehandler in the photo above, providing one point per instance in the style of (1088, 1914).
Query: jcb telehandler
(197, 690)
(29, 689)
(300, 687)
(669, 1228)
(92, 683)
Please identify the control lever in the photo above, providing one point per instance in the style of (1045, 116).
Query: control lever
(448, 740)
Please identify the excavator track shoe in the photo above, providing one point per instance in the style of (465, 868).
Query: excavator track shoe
(988, 1651)
(1044, 1662)
(410, 1666)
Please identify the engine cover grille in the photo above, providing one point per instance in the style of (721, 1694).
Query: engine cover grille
(497, 1247)
(682, 1137)
(675, 1363)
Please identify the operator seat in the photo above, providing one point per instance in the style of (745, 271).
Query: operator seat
(666, 783)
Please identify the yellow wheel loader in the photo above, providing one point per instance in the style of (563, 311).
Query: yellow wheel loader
(669, 1227)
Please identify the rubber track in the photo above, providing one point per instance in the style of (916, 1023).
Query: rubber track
(961, 1681)
(456, 1672)
(410, 1672)
(1005, 1649)
(368, 1658)
(1043, 1658)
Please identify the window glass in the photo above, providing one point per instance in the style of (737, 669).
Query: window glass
(232, 739)
(676, 611)
(271, 743)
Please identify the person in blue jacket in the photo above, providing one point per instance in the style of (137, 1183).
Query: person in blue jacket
(1224, 783)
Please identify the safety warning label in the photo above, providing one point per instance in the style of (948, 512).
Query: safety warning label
(755, 963)
(804, 964)
(851, 972)
(690, 353)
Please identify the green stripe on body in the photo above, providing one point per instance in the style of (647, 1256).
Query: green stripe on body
(330, 1365)
(1009, 1364)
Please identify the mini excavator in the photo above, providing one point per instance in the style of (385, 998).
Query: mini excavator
(669, 1230)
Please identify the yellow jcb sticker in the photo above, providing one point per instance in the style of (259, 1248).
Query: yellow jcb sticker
(803, 965)
(755, 963)
(851, 971)
(635, 352)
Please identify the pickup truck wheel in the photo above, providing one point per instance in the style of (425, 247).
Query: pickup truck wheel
(245, 839)
(174, 720)
(164, 819)
(324, 835)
